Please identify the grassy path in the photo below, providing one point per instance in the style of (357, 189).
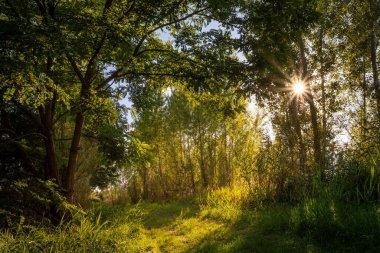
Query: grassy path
(183, 227)
(225, 227)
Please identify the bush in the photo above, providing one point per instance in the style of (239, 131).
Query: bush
(32, 201)
(342, 224)
(224, 203)
(356, 181)
(81, 234)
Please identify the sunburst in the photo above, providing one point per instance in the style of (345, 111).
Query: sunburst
(299, 87)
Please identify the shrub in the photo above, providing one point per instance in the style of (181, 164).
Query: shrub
(32, 201)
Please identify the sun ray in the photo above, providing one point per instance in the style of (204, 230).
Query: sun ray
(299, 87)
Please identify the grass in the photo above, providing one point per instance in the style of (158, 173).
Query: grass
(79, 235)
(317, 225)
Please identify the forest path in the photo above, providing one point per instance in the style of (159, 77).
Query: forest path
(184, 227)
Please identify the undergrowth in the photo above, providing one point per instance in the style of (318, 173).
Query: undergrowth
(80, 234)
(342, 215)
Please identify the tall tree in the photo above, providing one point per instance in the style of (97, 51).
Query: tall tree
(69, 54)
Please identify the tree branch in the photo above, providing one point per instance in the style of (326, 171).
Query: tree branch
(137, 52)
(153, 50)
(114, 75)
(76, 69)
(176, 21)
(107, 5)
(88, 74)
(143, 38)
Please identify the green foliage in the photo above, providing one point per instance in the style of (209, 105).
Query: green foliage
(317, 225)
(32, 201)
(184, 143)
(81, 234)
(225, 203)
(348, 227)
(357, 181)
(65, 63)
(140, 153)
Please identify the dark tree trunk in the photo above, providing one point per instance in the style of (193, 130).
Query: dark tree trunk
(324, 117)
(68, 182)
(376, 84)
(51, 170)
(190, 165)
(202, 164)
(46, 116)
(296, 124)
(314, 123)
(364, 107)
(145, 182)
(313, 109)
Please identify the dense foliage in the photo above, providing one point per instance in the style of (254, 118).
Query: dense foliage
(245, 107)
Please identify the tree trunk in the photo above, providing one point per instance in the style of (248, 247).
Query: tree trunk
(314, 123)
(51, 170)
(376, 84)
(211, 157)
(227, 167)
(364, 107)
(145, 193)
(203, 167)
(46, 116)
(202, 164)
(68, 182)
(190, 164)
(324, 117)
(160, 174)
(313, 109)
(297, 127)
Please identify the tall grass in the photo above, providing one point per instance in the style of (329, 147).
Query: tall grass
(225, 203)
(80, 234)
(338, 215)
(343, 213)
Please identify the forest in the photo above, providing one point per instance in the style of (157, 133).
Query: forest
(189, 126)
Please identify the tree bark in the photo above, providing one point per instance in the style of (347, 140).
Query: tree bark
(324, 117)
(202, 164)
(376, 84)
(373, 14)
(364, 107)
(313, 109)
(296, 123)
(190, 165)
(51, 170)
(46, 115)
(145, 182)
(68, 182)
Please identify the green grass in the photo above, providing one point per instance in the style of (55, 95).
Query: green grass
(182, 226)
(213, 226)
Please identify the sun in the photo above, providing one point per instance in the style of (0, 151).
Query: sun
(299, 87)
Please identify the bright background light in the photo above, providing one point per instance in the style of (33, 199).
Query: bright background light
(299, 87)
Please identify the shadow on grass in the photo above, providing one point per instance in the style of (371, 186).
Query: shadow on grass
(159, 215)
(150, 215)
(324, 227)
(180, 226)
(254, 231)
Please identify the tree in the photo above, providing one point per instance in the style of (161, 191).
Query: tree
(273, 41)
(69, 54)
